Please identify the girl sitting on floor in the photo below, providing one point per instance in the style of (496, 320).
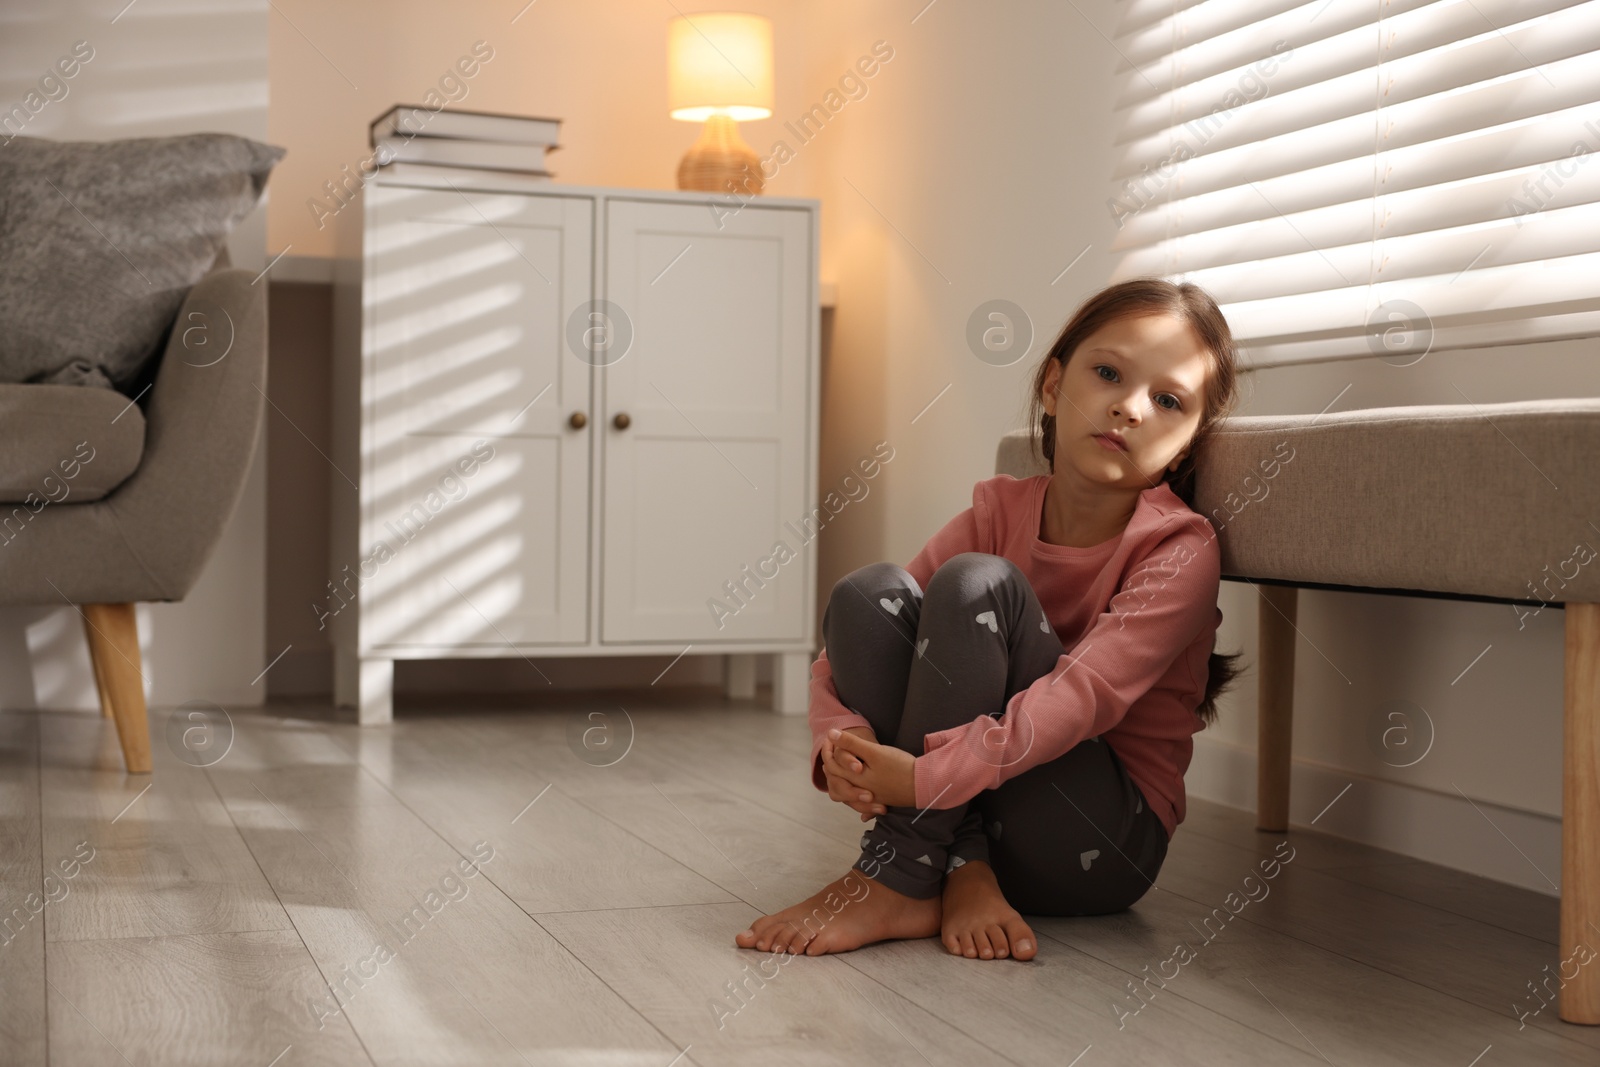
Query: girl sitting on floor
(1016, 705)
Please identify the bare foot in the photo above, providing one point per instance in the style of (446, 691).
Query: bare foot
(977, 921)
(845, 914)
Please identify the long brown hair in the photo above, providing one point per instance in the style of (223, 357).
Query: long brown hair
(1188, 302)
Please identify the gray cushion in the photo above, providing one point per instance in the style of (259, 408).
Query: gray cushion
(63, 445)
(151, 538)
(102, 240)
(1479, 500)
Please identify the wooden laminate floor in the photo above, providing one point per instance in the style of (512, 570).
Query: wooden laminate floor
(561, 885)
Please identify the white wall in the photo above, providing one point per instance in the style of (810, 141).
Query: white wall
(159, 67)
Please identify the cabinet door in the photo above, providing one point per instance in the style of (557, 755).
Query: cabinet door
(479, 486)
(709, 477)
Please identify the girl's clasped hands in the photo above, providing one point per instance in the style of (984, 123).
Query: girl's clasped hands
(865, 775)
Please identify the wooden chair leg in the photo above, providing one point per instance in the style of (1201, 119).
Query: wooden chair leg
(1579, 998)
(100, 687)
(114, 643)
(1275, 705)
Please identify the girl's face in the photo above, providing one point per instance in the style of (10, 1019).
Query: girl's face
(1142, 378)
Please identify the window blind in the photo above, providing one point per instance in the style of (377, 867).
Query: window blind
(1359, 177)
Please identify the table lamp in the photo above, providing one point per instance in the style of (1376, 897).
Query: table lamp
(720, 73)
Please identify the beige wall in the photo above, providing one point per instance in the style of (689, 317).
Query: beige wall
(600, 66)
(977, 167)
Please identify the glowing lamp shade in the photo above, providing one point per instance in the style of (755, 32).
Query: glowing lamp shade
(720, 73)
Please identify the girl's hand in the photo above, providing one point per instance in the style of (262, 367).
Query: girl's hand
(889, 773)
(835, 763)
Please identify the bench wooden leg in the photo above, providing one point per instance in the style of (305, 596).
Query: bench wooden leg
(1579, 998)
(114, 643)
(1275, 705)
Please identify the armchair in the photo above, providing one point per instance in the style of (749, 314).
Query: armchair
(176, 467)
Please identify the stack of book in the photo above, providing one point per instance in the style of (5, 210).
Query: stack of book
(413, 141)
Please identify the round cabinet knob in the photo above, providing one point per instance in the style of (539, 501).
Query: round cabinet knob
(578, 420)
(621, 421)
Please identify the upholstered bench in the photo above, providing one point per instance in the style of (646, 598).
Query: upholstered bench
(1487, 502)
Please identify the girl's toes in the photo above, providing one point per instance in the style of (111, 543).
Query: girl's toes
(968, 949)
(789, 940)
(1021, 938)
(980, 941)
(997, 939)
(751, 937)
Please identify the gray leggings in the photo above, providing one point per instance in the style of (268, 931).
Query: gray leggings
(1073, 836)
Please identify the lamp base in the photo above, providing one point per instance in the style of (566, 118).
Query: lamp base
(720, 161)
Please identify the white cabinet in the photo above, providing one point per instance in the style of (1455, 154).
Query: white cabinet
(578, 421)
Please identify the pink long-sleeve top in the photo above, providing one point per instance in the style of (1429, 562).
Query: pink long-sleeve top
(1137, 616)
